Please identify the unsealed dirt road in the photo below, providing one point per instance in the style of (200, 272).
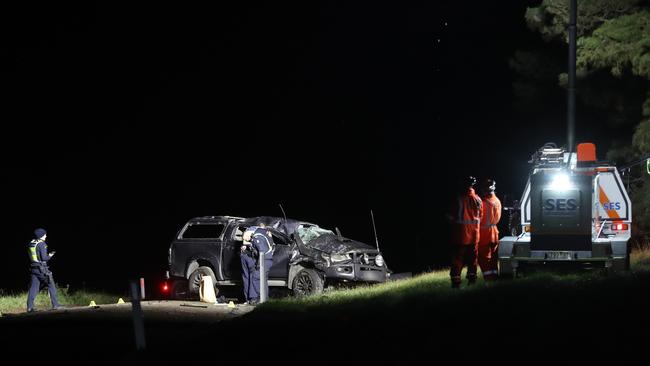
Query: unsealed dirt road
(76, 333)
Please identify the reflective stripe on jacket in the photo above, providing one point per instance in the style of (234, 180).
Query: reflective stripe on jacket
(263, 243)
(490, 218)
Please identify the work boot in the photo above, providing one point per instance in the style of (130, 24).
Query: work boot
(471, 279)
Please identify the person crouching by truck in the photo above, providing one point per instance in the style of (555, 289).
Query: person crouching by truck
(257, 239)
(488, 244)
(465, 216)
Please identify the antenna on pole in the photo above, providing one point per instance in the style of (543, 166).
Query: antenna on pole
(286, 230)
(374, 229)
(571, 103)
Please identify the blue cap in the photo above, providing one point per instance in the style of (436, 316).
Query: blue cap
(39, 233)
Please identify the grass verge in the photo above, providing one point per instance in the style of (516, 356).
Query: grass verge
(17, 302)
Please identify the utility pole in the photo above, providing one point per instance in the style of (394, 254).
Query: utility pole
(571, 103)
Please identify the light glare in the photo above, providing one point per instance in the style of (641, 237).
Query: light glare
(561, 182)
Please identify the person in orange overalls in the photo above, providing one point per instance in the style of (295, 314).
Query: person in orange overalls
(488, 244)
(465, 218)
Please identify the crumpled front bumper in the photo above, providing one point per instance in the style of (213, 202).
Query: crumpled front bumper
(357, 272)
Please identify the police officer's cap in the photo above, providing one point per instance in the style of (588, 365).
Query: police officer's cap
(39, 233)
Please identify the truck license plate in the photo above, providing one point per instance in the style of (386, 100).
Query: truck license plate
(559, 256)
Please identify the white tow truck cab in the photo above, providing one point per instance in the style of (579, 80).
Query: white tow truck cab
(574, 211)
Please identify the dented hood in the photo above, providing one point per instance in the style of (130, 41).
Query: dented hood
(331, 243)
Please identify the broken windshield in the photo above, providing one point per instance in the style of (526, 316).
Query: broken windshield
(309, 233)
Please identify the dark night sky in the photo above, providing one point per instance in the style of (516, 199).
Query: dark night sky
(122, 121)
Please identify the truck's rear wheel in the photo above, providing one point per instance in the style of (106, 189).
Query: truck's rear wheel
(620, 265)
(505, 269)
(194, 282)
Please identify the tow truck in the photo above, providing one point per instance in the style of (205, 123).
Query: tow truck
(574, 210)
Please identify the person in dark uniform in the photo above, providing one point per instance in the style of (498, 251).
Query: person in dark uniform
(261, 241)
(40, 273)
(247, 261)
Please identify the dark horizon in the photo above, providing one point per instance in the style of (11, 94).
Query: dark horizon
(124, 121)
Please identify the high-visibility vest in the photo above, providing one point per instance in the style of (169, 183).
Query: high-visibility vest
(33, 252)
(467, 218)
(489, 220)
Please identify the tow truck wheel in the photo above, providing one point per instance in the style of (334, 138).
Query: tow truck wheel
(194, 281)
(620, 265)
(505, 269)
(307, 282)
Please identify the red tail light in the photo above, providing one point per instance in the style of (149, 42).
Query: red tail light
(165, 287)
(619, 226)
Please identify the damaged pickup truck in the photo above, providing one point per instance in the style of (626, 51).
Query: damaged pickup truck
(306, 257)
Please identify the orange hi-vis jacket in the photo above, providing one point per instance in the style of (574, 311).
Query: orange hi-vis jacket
(489, 220)
(467, 216)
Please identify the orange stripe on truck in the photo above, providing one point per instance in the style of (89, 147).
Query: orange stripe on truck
(604, 199)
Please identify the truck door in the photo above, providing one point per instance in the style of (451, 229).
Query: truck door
(612, 200)
(280, 269)
(560, 211)
(231, 252)
(232, 260)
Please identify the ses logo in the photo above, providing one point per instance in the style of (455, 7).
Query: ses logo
(612, 206)
(560, 204)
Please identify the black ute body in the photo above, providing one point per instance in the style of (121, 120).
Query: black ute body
(215, 241)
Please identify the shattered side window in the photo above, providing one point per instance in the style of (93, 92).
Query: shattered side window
(203, 231)
(309, 233)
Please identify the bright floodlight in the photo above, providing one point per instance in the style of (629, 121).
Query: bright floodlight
(561, 182)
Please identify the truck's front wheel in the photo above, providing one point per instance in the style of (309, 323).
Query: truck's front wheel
(307, 282)
(194, 281)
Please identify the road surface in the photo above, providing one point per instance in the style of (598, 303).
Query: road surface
(107, 330)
